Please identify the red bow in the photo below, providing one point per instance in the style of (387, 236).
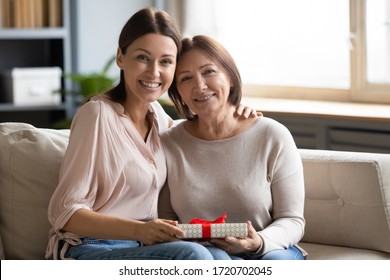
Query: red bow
(206, 225)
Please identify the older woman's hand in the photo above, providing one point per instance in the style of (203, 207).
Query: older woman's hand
(233, 245)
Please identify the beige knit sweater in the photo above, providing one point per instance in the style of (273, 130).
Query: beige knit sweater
(256, 175)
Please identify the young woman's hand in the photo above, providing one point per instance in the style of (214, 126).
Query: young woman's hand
(233, 245)
(158, 231)
(247, 112)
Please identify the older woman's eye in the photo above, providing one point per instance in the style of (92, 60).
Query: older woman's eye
(209, 71)
(185, 78)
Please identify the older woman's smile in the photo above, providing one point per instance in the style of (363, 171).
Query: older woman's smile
(204, 98)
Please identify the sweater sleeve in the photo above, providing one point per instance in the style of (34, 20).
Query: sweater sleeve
(287, 187)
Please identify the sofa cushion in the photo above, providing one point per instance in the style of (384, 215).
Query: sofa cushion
(347, 199)
(330, 252)
(30, 160)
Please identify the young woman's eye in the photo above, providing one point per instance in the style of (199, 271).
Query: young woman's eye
(167, 62)
(142, 57)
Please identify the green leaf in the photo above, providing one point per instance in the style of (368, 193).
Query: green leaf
(94, 83)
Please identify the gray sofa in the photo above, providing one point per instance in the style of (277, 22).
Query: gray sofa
(347, 206)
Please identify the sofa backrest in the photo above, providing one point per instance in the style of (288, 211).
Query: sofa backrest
(347, 199)
(30, 160)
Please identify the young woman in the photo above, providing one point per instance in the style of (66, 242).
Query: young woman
(217, 162)
(105, 205)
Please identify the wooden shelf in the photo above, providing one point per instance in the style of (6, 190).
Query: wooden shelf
(48, 46)
(11, 107)
(33, 33)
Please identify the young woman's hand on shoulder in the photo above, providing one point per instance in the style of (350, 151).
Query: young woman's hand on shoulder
(247, 112)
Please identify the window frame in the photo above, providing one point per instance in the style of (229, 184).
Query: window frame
(360, 89)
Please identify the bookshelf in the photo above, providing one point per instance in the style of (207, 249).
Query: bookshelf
(35, 33)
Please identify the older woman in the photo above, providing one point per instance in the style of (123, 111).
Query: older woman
(218, 162)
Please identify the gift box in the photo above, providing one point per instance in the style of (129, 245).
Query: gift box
(203, 229)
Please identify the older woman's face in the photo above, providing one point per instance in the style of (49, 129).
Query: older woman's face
(203, 84)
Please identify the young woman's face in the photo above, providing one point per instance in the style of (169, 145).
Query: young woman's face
(149, 67)
(203, 84)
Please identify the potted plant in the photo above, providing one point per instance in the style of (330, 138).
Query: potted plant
(87, 85)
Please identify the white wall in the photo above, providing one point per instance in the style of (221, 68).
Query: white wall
(98, 24)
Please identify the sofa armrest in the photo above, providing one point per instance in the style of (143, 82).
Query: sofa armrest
(347, 199)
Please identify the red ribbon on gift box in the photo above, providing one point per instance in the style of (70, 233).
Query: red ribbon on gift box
(206, 225)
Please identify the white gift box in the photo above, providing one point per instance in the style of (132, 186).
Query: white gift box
(214, 230)
(31, 86)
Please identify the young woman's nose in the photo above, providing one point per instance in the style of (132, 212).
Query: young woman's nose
(153, 69)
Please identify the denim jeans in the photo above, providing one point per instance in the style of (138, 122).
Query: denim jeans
(99, 249)
(292, 253)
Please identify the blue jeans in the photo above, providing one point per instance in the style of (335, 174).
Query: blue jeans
(292, 253)
(99, 249)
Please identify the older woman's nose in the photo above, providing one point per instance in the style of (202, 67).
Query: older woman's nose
(200, 84)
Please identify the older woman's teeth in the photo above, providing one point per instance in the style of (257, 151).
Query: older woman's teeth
(205, 98)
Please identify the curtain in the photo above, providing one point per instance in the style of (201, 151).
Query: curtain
(194, 16)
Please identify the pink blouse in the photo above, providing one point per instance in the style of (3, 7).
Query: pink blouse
(108, 168)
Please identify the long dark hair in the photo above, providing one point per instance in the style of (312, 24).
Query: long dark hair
(145, 21)
(214, 50)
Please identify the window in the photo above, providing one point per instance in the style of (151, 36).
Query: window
(378, 41)
(302, 44)
(314, 49)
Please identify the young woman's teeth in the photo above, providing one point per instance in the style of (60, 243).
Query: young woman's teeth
(150, 84)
